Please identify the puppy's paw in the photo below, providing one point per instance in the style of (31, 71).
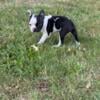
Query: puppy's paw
(56, 46)
(77, 44)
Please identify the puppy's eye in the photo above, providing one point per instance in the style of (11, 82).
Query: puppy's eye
(29, 24)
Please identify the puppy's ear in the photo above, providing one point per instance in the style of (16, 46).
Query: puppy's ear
(29, 12)
(42, 13)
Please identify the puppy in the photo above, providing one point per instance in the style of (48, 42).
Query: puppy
(49, 24)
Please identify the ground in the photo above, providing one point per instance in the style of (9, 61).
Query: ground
(64, 73)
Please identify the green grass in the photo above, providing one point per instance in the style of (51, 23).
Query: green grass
(64, 73)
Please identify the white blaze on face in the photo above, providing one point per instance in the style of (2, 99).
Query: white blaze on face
(32, 23)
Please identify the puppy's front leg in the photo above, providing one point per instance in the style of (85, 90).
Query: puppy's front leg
(43, 38)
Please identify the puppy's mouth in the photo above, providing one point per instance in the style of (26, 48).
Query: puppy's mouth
(36, 30)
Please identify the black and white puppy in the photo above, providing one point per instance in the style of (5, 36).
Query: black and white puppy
(49, 24)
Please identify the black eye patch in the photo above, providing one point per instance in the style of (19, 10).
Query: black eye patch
(40, 21)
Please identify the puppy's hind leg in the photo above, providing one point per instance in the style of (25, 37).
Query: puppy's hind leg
(74, 33)
(61, 38)
(59, 43)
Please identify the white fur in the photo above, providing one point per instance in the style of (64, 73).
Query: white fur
(45, 23)
(32, 23)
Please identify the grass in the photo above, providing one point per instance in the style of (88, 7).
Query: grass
(64, 73)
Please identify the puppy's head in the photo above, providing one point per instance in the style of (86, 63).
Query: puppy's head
(36, 21)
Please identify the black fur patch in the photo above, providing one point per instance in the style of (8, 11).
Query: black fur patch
(63, 25)
(58, 21)
(39, 24)
(50, 25)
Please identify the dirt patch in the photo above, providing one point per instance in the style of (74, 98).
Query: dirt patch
(42, 85)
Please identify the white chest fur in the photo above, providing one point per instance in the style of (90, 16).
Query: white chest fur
(45, 23)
